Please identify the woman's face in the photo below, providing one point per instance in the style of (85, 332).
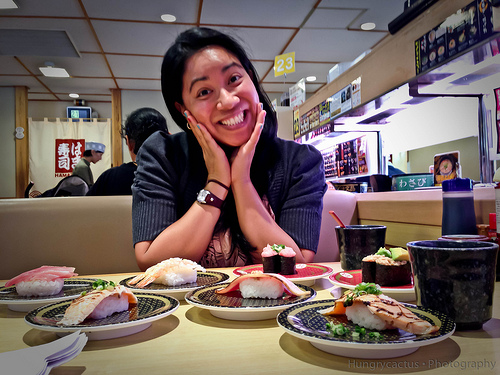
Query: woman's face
(220, 95)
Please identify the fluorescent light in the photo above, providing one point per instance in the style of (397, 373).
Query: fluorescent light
(368, 26)
(74, 95)
(8, 4)
(311, 78)
(50, 71)
(168, 17)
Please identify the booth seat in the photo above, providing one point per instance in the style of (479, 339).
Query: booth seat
(94, 234)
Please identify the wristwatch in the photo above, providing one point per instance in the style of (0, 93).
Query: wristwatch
(206, 197)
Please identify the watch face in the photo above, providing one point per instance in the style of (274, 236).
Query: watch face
(202, 196)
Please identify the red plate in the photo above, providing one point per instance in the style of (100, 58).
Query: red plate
(349, 279)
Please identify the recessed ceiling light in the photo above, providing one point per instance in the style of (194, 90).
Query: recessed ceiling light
(311, 78)
(73, 95)
(50, 71)
(368, 26)
(168, 17)
(8, 4)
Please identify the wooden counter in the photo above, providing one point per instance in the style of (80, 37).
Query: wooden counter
(192, 341)
(415, 215)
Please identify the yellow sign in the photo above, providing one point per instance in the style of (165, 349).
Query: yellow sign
(284, 64)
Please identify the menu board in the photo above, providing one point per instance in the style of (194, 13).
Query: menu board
(461, 30)
(346, 159)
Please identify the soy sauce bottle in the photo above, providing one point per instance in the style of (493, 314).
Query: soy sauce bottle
(459, 216)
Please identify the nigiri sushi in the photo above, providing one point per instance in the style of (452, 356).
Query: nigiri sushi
(98, 303)
(263, 285)
(378, 312)
(42, 281)
(171, 272)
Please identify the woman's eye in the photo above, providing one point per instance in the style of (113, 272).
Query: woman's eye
(203, 92)
(234, 78)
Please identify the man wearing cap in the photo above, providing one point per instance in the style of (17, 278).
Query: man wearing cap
(93, 153)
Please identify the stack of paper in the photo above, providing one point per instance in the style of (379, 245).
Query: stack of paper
(42, 358)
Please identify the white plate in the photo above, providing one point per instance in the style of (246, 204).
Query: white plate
(304, 321)
(233, 306)
(150, 307)
(307, 273)
(72, 288)
(349, 280)
(205, 278)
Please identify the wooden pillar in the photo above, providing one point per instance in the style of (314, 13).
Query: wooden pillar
(116, 124)
(22, 145)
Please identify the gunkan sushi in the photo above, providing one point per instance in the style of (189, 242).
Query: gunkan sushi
(387, 267)
(279, 259)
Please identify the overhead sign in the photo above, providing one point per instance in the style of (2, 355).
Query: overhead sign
(284, 64)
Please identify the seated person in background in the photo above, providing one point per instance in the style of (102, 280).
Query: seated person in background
(221, 190)
(139, 126)
(92, 154)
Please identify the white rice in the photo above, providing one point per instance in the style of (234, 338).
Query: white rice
(268, 287)
(109, 306)
(39, 288)
(177, 276)
(359, 314)
(177, 271)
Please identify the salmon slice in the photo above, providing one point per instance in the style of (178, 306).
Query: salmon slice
(395, 314)
(290, 287)
(83, 306)
(43, 273)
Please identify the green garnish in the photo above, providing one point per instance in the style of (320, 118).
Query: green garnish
(277, 248)
(83, 293)
(102, 284)
(360, 289)
(384, 252)
(337, 329)
(360, 330)
(374, 335)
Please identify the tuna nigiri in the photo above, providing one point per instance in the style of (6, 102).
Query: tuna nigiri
(379, 312)
(98, 304)
(263, 285)
(42, 281)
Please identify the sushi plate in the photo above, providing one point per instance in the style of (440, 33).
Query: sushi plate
(307, 273)
(205, 278)
(305, 322)
(72, 288)
(232, 306)
(150, 307)
(349, 280)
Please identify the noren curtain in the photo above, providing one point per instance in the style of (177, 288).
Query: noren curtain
(43, 157)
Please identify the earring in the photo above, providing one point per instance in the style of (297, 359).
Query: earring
(188, 126)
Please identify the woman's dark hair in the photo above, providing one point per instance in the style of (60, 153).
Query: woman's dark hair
(141, 123)
(186, 45)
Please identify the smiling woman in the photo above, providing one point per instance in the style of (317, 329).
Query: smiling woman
(223, 189)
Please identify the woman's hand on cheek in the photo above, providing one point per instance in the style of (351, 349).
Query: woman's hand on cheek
(241, 160)
(215, 159)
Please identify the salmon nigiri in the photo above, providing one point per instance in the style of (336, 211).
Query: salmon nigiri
(42, 281)
(98, 304)
(380, 312)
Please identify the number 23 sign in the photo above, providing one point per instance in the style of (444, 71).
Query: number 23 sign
(284, 64)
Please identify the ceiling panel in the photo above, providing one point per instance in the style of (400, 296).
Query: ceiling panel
(126, 39)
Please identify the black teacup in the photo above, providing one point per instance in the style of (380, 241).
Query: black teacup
(456, 278)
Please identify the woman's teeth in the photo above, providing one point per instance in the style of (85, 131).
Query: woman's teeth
(234, 121)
